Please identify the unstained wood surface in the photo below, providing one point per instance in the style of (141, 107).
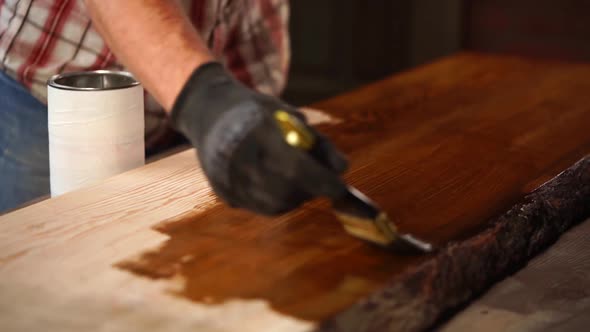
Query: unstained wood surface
(443, 148)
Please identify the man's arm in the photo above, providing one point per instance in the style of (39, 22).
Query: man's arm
(240, 147)
(154, 40)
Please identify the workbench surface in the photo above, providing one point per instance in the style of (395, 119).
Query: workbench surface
(549, 295)
(446, 148)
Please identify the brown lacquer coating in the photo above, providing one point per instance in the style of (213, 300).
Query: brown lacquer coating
(444, 148)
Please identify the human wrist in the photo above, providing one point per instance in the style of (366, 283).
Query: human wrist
(174, 76)
(200, 94)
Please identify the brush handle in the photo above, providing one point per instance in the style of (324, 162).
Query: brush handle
(298, 135)
(294, 131)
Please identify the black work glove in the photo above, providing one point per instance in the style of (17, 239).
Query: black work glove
(242, 150)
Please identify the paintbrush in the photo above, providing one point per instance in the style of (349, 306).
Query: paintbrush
(362, 218)
(359, 215)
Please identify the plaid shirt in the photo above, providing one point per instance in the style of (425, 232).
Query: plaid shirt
(40, 38)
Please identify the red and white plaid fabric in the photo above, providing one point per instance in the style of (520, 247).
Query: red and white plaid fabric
(40, 38)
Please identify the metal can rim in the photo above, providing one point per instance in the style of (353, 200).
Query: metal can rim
(53, 80)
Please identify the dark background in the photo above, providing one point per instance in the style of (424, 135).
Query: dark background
(338, 45)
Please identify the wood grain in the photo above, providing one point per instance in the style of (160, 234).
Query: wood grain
(446, 148)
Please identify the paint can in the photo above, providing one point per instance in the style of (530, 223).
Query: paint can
(96, 127)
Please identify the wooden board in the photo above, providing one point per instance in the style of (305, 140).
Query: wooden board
(445, 148)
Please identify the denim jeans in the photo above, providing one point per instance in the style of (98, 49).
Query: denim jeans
(24, 151)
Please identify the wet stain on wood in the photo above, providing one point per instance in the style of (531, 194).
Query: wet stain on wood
(224, 254)
(445, 149)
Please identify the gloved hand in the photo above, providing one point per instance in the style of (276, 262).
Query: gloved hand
(242, 150)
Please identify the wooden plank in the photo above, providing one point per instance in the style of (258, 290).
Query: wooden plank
(445, 147)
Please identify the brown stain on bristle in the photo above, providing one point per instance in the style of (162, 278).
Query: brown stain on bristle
(443, 149)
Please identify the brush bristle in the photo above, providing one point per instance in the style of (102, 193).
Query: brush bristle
(406, 243)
